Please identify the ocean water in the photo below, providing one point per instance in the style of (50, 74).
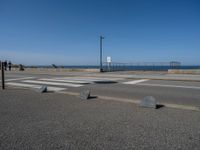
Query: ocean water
(125, 67)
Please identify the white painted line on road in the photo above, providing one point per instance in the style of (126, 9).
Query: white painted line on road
(23, 85)
(137, 101)
(136, 81)
(184, 107)
(77, 79)
(172, 86)
(90, 79)
(65, 80)
(50, 88)
(19, 79)
(102, 79)
(52, 83)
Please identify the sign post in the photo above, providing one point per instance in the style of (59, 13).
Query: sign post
(109, 60)
(2, 76)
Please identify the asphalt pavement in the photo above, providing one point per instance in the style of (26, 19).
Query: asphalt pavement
(116, 86)
(31, 120)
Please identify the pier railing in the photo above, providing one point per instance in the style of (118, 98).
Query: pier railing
(140, 66)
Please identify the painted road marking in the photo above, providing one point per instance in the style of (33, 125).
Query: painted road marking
(137, 101)
(52, 83)
(65, 80)
(93, 79)
(78, 79)
(136, 81)
(50, 88)
(23, 85)
(19, 79)
(173, 86)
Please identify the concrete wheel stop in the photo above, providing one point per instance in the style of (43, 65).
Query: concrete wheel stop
(43, 89)
(85, 95)
(149, 102)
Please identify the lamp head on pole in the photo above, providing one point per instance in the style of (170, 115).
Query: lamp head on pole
(102, 37)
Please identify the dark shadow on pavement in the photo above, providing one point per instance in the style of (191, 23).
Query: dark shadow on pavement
(105, 82)
(49, 92)
(159, 106)
(92, 97)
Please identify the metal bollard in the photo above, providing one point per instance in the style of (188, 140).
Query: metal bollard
(2, 76)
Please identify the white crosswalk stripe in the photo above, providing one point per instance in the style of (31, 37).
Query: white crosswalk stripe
(66, 80)
(136, 81)
(92, 79)
(34, 86)
(19, 79)
(52, 83)
(58, 83)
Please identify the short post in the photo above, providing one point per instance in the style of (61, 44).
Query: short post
(2, 76)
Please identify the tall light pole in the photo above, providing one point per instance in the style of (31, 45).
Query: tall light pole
(2, 76)
(101, 65)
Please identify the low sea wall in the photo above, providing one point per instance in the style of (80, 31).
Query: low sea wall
(58, 69)
(170, 71)
(184, 71)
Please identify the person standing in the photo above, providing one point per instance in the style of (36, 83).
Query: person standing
(5, 65)
(9, 65)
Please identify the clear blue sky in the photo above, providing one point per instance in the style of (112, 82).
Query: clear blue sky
(66, 32)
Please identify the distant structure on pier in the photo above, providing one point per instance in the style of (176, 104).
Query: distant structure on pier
(175, 64)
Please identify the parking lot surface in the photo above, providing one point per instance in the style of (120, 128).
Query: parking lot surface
(31, 120)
